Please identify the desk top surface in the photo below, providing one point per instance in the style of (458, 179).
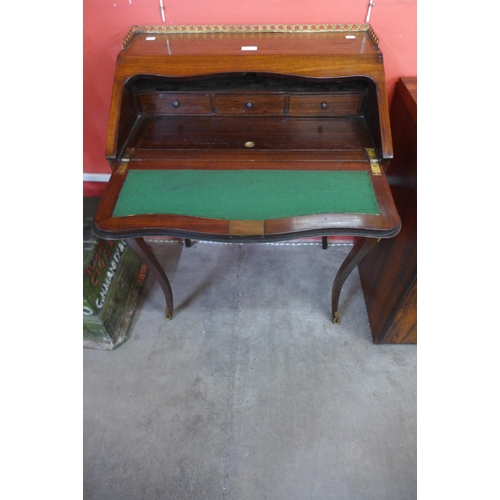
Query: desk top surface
(219, 204)
(245, 194)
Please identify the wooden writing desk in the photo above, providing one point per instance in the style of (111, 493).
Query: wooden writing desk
(249, 134)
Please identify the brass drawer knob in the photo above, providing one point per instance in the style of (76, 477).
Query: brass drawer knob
(249, 144)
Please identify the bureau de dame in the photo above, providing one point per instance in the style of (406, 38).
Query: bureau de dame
(249, 134)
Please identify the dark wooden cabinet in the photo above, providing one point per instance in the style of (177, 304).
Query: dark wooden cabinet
(389, 272)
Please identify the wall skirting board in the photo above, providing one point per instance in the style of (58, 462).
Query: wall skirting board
(96, 177)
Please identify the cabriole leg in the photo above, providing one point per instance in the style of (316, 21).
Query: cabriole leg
(144, 252)
(361, 247)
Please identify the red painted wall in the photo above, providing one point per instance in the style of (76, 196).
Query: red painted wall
(106, 22)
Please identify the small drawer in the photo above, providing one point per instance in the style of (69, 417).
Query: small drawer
(249, 104)
(169, 103)
(325, 104)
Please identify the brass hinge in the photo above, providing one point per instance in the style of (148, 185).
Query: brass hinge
(129, 152)
(122, 168)
(374, 164)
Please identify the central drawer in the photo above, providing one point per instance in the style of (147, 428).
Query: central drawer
(249, 104)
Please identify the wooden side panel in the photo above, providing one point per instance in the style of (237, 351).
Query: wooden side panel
(403, 328)
(388, 273)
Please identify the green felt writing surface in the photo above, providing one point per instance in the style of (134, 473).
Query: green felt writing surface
(245, 194)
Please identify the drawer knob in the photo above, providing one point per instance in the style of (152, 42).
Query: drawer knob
(175, 104)
(249, 105)
(249, 144)
(323, 105)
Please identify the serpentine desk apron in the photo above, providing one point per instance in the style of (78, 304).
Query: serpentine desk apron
(248, 134)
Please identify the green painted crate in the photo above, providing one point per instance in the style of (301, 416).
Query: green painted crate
(113, 277)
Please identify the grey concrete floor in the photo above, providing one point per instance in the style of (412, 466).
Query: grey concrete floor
(250, 392)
